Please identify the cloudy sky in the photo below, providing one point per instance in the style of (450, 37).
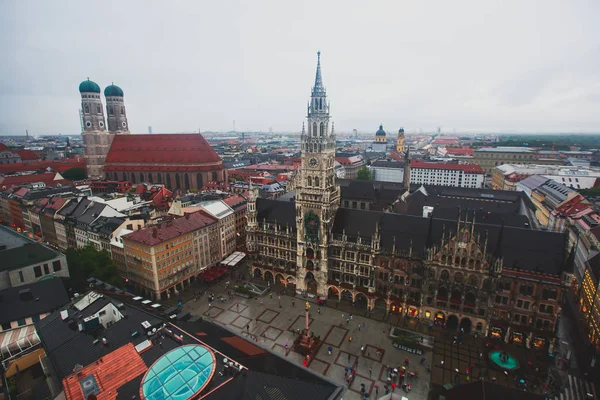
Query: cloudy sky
(469, 66)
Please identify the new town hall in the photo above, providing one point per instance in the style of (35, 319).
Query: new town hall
(467, 271)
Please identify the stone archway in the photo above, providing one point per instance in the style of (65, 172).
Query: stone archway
(279, 279)
(311, 283)
(257, 273)
(466, 325)
(291, 280)
(452, 322)
(269, 276)
(380, 304)
(347, 297)
(333, 293)
(361, 301)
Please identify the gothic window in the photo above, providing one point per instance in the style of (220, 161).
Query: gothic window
(86, 108)
(311, 226)
(322, 129)
(98, 109)
(122, 110)
(314, 129)
(141, 177)
(310, 181)
(317, 181)
(133, 177)
(150, 177)
(169, 181)
(199, 183)
(124, 176)
(186, 181)
(445, 276)
(177, 181)
(110, 111)
(214, 176)
(320, 104)
(159, 178)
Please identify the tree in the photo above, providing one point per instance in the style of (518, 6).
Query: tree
(88, 262)
(75, 174)
(364, 173)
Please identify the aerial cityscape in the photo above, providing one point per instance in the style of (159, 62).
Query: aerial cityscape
(302, 254)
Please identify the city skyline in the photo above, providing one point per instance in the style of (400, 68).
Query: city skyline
(470, 67)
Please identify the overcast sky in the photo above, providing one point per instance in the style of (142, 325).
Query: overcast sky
(469, 66)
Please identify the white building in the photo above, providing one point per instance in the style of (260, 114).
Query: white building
(225, 214)
(387, 171)
(446, 174)
(570, 176)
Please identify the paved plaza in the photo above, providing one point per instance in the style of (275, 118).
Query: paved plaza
(263, 321)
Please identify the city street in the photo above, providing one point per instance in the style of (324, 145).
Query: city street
(263, 321)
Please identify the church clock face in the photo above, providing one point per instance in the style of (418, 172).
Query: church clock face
(313, 162)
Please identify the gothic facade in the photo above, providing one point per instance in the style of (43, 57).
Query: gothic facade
(503, 281)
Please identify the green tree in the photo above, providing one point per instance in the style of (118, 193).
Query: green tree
(88, 262)
(75, 174)
(364, 173)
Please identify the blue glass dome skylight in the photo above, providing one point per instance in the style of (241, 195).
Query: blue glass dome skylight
(180, 374)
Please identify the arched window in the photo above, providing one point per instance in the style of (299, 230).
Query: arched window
(177, 181)
(86, 108)
(133, 177)
(150, 177)
(310, 181)
(199, 183)
(124, 176)
(317, 181)
(186, 181)
(141, 177)
(122, 110)
(314, 129)
(110, 111)
(320, 104)
(98, 108)
(214, 176)
(169, 181)
(322, 129)
(159, 178)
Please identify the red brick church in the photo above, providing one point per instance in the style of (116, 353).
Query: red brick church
(178, 161)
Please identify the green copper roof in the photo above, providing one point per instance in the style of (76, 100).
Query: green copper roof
(380, 132)
(89, 86)
(113, 90)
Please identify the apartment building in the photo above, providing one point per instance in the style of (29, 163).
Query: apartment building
(446, 174)
(163, 259)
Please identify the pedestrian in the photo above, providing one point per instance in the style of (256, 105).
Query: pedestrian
(359, 326)
(362, 348)
(293, 303)
(248, 328)
(329, 349)
(350, 315)
(376, 391)
(370, 371)
(422, 360)
(271, 294)
(319, 310)
(349, 355)
(350, 339)
(209, 305)
(347, 321)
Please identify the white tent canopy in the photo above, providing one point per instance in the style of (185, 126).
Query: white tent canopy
(233, 259)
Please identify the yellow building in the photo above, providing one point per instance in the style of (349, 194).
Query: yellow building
(400, 142)
(589, 300)
(380, 135)
(163, 259)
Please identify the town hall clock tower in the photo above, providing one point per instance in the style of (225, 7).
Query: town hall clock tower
(318, 196)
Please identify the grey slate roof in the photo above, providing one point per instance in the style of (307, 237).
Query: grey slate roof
(27, 254)
(46, 296)
(282, 212)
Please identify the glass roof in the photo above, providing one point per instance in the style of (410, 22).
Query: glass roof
(179, 374)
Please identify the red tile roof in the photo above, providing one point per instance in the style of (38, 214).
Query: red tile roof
(234, 200)
(471, 168)
(46, 178)
(463, 151)
(161, 149)
(153, 235)
(4, 147)
(58, 165)
(28, 155)
(451, 142)
(111, 372)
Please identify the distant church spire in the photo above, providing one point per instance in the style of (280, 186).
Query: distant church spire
(318, 89)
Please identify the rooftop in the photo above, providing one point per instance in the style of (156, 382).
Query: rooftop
(32, 300)
(161, 149)
(28, 253)
(505, 149)
(153, 235)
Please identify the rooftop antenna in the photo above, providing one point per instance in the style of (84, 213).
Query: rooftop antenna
(234, 125)
(26, 134)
